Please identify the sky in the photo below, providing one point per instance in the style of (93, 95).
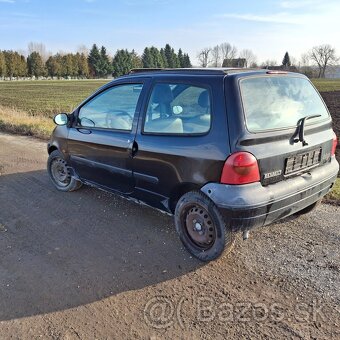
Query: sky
(268, 28)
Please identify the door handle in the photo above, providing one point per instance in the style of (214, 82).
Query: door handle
(84, 131)
(133, 147)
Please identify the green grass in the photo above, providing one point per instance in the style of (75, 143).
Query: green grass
(46, 98)
(334, 195)
(325, 85)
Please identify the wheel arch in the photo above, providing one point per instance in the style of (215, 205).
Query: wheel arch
(51, 148)
(179, 191)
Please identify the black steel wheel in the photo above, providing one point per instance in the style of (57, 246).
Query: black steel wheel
(60, 173)
(201, 227)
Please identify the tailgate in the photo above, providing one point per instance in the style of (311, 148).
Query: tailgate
(283, 121)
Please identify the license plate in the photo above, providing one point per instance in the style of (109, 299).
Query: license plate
(302, 161)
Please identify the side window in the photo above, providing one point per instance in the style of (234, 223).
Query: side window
(178, 109)
(111, 109)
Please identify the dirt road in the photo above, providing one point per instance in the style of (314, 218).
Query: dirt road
(90, 265)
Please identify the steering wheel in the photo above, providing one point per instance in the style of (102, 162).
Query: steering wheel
(112, 116)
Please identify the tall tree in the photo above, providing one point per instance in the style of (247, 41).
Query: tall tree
(35, 65)
(69, 65)
(136, 60)
(165, 61)
(171, 57)
(180, 57)
(54, 66)
(121, 63)
(216, 56)
(16, 65)
(156, 57)
(2, 65)
(323, 56)
(204, 56)
(83, 66)
(228, 52)
(286, 61)
(249, 57)
(186, 61)
(94, 60)
(40, 48)
(147, 58)
(105, 64)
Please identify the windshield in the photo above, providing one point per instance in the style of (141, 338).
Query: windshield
(279, 102)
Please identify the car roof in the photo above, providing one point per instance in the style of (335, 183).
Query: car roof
(208, 71)
(197, 70)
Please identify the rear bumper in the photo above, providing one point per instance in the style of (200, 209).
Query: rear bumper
(251, 205)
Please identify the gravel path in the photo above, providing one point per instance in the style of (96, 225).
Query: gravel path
(88, 265)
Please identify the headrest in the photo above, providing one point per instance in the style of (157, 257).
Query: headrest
(203, 99)
(162, 94)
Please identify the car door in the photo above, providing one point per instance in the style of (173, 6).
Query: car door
(179, 146)
(101, 140)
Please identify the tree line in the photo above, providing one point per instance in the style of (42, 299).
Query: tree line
(95, 64)
(314, 63)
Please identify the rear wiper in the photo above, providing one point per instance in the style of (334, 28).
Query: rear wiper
(301, 129)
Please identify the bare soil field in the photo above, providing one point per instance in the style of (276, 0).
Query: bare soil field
(332, 100)
(90, 265)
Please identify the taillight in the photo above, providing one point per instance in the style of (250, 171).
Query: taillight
(335, 143)
(240, 168)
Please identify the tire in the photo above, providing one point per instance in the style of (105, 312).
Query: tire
(60, 174)
(201, 227)
(308, 209)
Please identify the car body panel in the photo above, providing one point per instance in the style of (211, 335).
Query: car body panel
(159, 168)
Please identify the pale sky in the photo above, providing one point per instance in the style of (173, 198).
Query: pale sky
(268, 28)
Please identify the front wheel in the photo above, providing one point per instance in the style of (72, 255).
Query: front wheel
(201, 227)
(59, 172)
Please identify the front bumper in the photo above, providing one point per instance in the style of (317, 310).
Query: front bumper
(252, 205)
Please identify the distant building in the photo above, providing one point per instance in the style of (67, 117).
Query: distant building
(237, 62)
(282, 68)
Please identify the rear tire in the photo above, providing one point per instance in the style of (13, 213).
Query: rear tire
(201, 227)
(59, 172)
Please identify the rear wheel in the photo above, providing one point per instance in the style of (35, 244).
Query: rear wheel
(201, 227)
(59, 172)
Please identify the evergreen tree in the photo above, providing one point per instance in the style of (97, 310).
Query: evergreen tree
(35, 65)
(136, 60)
(165, 61)
(286, 60)
(94, 60)
(175, 59)
(105, 65)
(122, 63)
(156, 57)
(2, 65)
(83, 66)
(147, 58)
(168, 51)
(69, 66)
(54, 65)
(22, 67)
(180, 58)
(16, 65)
(186, 61)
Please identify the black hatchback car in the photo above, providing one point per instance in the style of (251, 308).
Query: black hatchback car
(224, 150)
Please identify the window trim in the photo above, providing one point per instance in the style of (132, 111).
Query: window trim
(177, 82)
(308, 123)
(101, 91)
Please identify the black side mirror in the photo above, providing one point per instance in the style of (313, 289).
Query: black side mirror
(61, 119)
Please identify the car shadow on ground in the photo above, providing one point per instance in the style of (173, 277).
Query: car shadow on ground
(61, 250)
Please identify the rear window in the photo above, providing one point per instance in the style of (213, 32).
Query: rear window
(279, 102)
